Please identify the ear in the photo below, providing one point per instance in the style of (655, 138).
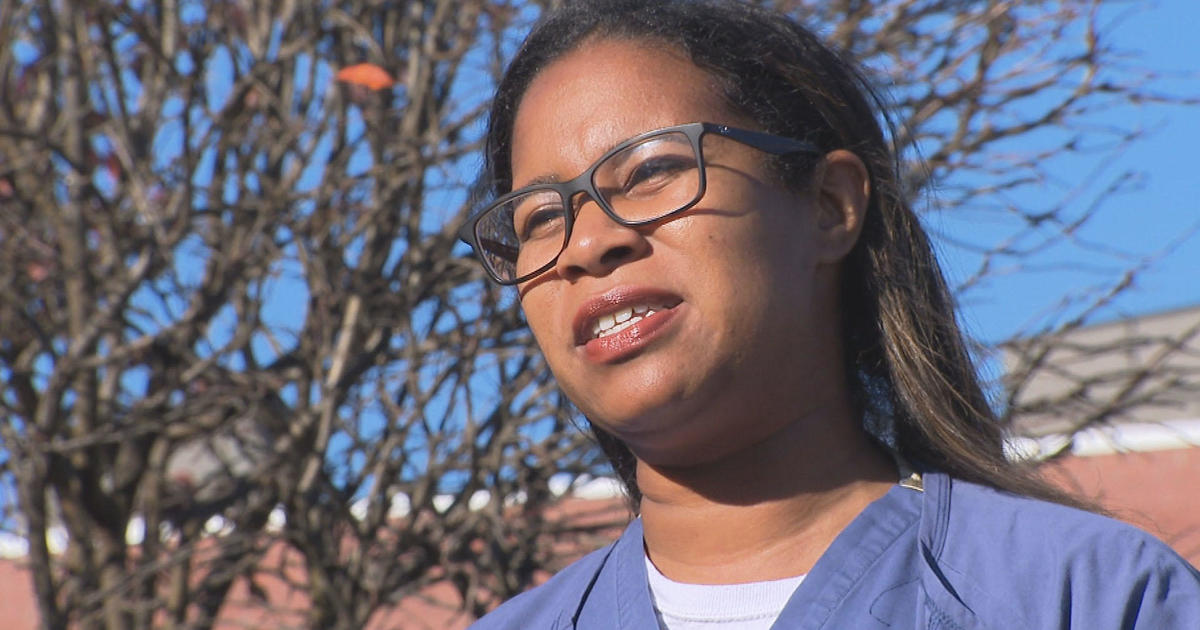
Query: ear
(843, 189)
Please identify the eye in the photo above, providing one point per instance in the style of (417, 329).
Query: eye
(538, 220)
(652, 174)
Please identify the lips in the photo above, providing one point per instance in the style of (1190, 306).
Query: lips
(625, 318)
(611, 325)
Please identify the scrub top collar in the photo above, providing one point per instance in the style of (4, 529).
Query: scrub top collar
(843, 564)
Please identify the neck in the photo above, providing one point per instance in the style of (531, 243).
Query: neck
(766, 512)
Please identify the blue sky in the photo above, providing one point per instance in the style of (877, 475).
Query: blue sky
(1164, 205)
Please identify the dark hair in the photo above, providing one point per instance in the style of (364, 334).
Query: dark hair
(909, 372)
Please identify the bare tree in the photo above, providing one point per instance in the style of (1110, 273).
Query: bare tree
(230, 287)
(230, 283)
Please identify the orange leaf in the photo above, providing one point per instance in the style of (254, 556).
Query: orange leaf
(367, 75)
(36, 271)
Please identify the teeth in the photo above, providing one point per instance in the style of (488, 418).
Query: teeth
(616, 322)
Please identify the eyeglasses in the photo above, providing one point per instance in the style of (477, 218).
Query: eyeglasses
(645, 179)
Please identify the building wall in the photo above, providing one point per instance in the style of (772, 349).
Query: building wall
(1157, 490)
(18, 608)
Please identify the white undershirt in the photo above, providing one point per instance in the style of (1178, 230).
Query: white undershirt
(752, 606)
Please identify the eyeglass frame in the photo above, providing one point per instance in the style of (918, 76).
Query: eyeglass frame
(583, 183)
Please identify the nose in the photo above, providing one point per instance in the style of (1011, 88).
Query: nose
(598, 244)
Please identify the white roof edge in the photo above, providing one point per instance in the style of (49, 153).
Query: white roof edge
(1128, 437)
(13, 545)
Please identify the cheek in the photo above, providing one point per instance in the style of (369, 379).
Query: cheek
(760, 278)
(740, 252)
(538, 314)
(551, 328)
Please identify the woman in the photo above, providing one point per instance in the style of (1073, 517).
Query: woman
(745, 308)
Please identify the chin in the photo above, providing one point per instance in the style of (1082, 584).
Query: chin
(659, 433)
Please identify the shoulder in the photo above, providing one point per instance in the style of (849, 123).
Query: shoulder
(1052, 535)
(1044, 562)
(552, 604)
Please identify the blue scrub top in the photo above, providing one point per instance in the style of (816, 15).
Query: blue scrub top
(953, 556)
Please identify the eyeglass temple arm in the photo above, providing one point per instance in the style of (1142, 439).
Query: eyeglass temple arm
(764, 141)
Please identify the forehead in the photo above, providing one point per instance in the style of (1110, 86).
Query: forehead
(602, 93)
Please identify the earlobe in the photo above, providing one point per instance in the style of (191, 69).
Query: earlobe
(844, 189)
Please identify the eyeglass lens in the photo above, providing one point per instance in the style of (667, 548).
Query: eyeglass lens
(640, 183)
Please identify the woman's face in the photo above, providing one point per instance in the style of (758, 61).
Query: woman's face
(739, 335)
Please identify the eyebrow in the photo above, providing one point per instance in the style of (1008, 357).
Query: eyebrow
(554, 179)
(536, 181)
